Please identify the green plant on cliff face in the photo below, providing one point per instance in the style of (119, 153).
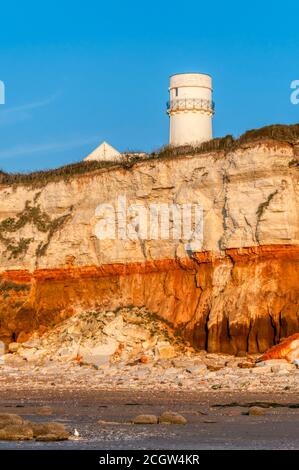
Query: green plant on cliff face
(294, 163)
(19, 248)
(261, 209)
(54, 226)
(39, 218)
(29, 214)
(6, 286)
(281, 133)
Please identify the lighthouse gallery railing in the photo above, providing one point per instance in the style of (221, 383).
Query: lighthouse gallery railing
(181, 104)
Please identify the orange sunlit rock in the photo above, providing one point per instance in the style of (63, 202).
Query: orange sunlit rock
(242, 300)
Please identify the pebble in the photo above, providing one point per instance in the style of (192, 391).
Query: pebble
(44, 411)
(13, 347)
(16, 432)
(14, 428)
(171, 417)
(256, 411)
(145, 419)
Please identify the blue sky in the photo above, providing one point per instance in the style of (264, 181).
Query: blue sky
(77, 73)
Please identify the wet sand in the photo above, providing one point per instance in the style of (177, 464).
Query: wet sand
(209, 426)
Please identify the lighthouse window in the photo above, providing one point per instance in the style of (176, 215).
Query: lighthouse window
(176, 92)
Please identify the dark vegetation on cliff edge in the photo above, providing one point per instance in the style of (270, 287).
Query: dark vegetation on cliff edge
(279, 132)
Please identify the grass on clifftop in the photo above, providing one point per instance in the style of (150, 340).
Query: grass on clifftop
(277, 132)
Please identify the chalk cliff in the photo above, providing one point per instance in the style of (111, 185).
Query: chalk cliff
(238, 292)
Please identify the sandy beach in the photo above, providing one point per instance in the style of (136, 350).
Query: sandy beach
(216, 420)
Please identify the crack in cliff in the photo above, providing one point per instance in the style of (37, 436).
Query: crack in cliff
(248, 334)
(276, 334)
(251, 229)
(227, 217)
(206, 329)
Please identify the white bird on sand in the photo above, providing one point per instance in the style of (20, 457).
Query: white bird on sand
(76, 434)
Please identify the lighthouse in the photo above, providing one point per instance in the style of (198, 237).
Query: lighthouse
(190, 108)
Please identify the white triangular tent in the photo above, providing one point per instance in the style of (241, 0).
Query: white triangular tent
(104, 152)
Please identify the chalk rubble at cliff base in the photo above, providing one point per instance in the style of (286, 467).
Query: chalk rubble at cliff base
(129, 348)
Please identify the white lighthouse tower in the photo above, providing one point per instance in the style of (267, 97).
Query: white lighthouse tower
(190, 108)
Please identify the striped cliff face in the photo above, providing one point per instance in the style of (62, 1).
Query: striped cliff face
(244, 300)
(237, 292)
